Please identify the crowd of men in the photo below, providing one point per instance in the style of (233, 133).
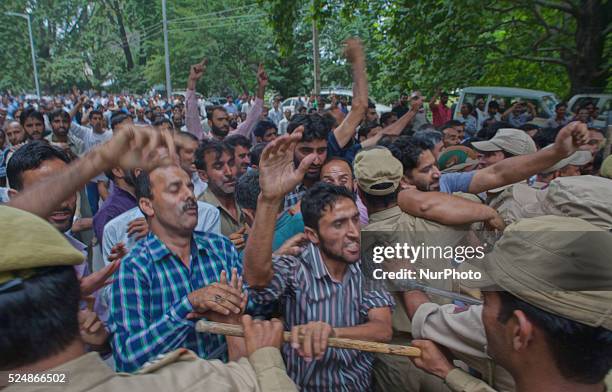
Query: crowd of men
(127, 221)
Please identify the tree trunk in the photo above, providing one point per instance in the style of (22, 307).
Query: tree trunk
(125, 45)
(586, 71)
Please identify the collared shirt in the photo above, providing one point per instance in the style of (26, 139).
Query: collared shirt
(309, 293)
(471, 123)
(554, 122)
(520, 120)
(118, 202)
(149, 307)
(76, 145)
(115, 230)
(199, 185)
(229, 224)
(293, 197)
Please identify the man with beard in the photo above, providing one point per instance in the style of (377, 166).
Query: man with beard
(314, 135)
(218, 119)
(172, 276)
(322, 289)
(421, 171)
(33, 122)
(242, 153)
(215, 161)
(60, 125)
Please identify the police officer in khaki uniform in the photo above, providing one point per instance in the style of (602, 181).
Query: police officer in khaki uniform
(39, 301)
(378, 176)
(507, 142)
(548, 339)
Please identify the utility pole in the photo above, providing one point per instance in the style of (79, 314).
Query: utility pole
(166, 52)
(27, 17)
(315, 56)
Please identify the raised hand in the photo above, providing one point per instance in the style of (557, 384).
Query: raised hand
(353, 49)
(571, 137)
(277, 173)
(261, 333)
(134, 147)
(262, 77)
(195, 73)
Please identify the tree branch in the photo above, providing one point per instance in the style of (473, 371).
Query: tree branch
(542, 59)
(557, 6)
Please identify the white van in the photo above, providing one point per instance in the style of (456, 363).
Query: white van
(543, 101)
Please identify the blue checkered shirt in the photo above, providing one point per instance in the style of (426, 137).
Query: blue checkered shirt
(149, 301)
(308, 293)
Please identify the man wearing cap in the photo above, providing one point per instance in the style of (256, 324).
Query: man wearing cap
(322, 290)
(422, 173)
(39, 301)
(547, 312)
(566, 167)
(378, 176)
(507, 142)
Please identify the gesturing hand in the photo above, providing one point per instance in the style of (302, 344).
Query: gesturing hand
(277, 173)
(316, 335)
(136, 147)
(353, 49)
(219, 299)
(261, 333)
(262, 77)
(91, 328)
(96, 280)
(197, 70)
(571, 137)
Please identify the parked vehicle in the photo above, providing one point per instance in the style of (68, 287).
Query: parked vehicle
(543, 101)
(602, 101)
(293, 102)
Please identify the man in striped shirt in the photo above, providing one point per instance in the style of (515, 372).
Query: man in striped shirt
(172, 276)
(322, 290)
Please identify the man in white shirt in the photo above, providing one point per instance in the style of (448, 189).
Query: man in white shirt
(282, 124)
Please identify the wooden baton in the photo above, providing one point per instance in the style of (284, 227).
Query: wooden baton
(362, 345)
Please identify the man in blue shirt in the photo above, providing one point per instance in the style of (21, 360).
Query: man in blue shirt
(172, 276)
(421, 170)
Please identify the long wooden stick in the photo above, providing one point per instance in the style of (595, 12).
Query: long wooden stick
(363, 345)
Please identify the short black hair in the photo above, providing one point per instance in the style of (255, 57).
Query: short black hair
(428, 138)
(408, 150)
(248, 189)
(560, 105)
(143, 185)
(582, 353)
(59, 113)
(371, 105)
(450, 124)
(117, 118)
(262, 127)
(210, 110)
(256, 152)
(319, 198)
(186, 135)
(494, 104)
(315, 125)
(31, 112)
(207, 146)
(159, 120)
(98, 112)
(39, 319)
(29, 157)
(238, 140)
(366, 128)
(386, 116)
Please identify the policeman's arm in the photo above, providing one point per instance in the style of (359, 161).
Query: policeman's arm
(515, 169)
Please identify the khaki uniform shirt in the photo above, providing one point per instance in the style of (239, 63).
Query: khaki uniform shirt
(462, 332)
(180, 370)
(229, 224)
(400, 227)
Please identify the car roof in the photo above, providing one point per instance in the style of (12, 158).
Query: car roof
(339, 91)
(592, 96)
(509, 91)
